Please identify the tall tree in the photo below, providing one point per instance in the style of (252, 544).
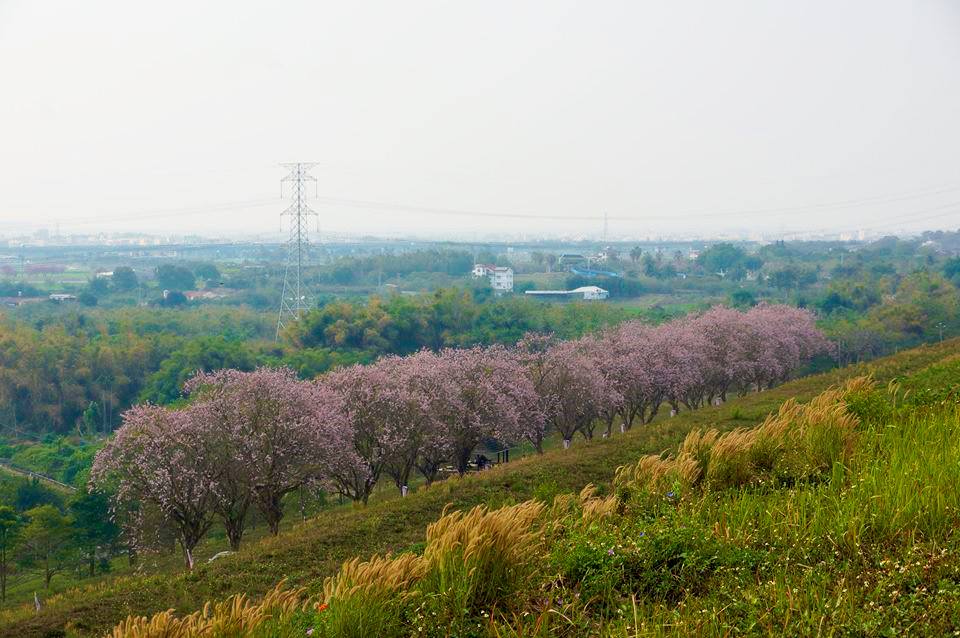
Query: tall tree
(159, 457)
(173, 277)
(490, 397)
(279, 432)
(46, 541)
(94, 530)
(10, 527)
(575, 392)
(368, 401)
(124, 279)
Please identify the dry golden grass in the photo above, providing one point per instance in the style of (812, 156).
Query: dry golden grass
(654, 473)
(381, 575)
(596, 507)
(480, 531)
(234, 616)
(479, 558)
(797, 442)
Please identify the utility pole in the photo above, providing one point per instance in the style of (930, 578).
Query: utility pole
(941, 326)
(294, 300)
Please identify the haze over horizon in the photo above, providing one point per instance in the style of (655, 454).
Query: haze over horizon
(452, 119)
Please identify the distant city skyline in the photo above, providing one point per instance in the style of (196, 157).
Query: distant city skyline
(45, 237)
(494, 119)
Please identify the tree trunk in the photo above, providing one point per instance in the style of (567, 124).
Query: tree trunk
(234, 531)
(401, 477)
(270, 507)
(188, 557)
(3, 574)
(429, 469)
(463, 461)
(610, 419)
(537, 441)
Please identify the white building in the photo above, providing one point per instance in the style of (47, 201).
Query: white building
(482, 270)
(588, 293)
(501, 277)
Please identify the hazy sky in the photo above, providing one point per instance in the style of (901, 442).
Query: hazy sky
(672, 116)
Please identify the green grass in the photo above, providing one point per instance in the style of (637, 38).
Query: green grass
(310, 551)
(871, 552)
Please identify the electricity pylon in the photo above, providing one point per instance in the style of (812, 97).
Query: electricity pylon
(295, 300)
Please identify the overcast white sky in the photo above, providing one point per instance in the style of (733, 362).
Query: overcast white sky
(673, 116)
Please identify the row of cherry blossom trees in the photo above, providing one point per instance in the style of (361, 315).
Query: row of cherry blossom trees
(244, 440)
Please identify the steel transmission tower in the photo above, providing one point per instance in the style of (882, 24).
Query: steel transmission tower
(295, 299)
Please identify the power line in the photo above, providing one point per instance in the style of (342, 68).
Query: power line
(294, 300)
(452, 212)
(166, 213)
(886, 222)
(457, 212)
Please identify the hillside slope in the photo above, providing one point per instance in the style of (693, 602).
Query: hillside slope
(317, 548)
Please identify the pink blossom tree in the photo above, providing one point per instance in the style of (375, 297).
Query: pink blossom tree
(778, 339)
(428, 446)
(641, 383)
(490, 396)
(608, 359)
(388, 405)
(677, 360)
(723, 341)
(574, 392)
(368, 398)
(532, 352)
(410, 427)
(159, 458)
(278, 433)
(232, 494)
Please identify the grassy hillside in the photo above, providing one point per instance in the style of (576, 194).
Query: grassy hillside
(317, 548)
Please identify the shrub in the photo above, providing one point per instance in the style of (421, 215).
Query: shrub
(658, 560)
(679, 560)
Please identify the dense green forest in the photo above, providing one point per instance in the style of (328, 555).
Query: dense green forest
(73, 369)
(77, 371)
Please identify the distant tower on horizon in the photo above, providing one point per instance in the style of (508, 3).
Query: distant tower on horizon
(295, 299)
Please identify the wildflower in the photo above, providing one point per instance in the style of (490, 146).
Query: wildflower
(671, 494)
(322, 607)
(610, 552)
(310, 631)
